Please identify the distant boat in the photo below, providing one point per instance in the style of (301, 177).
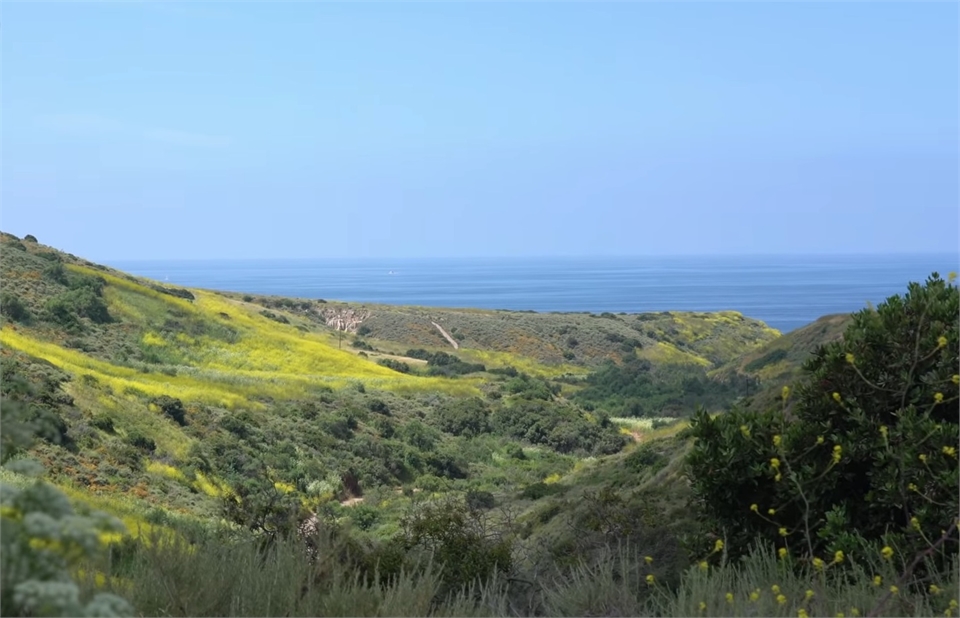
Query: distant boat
(391, 273)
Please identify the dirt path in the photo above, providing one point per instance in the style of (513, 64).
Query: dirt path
(453, 342)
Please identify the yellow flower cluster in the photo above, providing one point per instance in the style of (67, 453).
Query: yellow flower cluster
(837, 452)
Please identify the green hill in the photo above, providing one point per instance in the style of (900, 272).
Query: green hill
(215, 425)
(779, 363)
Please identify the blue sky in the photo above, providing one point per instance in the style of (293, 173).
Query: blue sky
(313, 129)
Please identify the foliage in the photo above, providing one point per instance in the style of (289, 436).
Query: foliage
(637, 388)
(870, 444)
(42, 536)
(459, 538)
(12, 307)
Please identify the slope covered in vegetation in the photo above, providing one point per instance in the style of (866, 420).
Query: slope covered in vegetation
(548, 464)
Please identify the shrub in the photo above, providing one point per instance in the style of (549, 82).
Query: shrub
(458, 538)
(394, 364)
(140, 441)
(12, 307)
(172, 408)
(869, 444)
(469, 417)
(30, 238)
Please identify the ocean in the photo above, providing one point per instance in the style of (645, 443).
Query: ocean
(786, 292)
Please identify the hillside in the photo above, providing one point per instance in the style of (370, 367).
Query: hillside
(538, 441)
(779, 362)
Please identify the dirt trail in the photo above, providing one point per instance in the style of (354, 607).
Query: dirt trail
(453, 342)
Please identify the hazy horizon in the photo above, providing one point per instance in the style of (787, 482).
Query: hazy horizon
(153, 131)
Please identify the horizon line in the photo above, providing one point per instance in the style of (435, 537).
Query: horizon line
(538, 257)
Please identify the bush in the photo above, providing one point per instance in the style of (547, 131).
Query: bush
(458, 538)
(469, 417)
(394, 364)
(172, 408)
(12, 307)
(140, 441)
(66, 308)
(869, 444)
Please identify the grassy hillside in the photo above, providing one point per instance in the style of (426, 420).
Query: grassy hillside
(778, 363)
(165, 393)
(216, 423)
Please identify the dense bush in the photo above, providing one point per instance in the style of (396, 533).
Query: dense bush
(467, 417)
(560, 427)
(868, 445)
(12, 307)
(635, 388)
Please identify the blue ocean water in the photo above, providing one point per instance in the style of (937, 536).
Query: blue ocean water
(786, 292)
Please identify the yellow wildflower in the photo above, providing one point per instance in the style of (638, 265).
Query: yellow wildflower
(837, 397)
(838, 556)
(782, 552)
(651, 579)
(771, 512)
(775, 589)
(887, 552)
(755, 596)
(783, 532)
(955, 379)
(648, 559)
(703, 606)
(718, 546)
(745, 431)
(877, 581)
(703, 565)
(817, 564)
(883, 431)
(938, 397)
(941, 341)
(949, 451)
(951, 276)
(894, 590)
(923, 458)
(935, 589)
(782, 600)
(854, 611)
(953, 604)
(808, 594)
(786, 391)
(841, 615)
(914, 523)
(851, 358)
(754, 507)
(729, 597)
(777, 440)
(819, 439)
(802, 613)
(778, 477)
(913, 487)
(774, 463)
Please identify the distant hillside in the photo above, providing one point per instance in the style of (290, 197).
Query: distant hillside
(778, 363)
(167, 395)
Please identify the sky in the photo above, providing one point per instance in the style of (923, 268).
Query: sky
(203, 130)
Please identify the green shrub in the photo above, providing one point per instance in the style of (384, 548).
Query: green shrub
(12, 307)
(869, 444)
